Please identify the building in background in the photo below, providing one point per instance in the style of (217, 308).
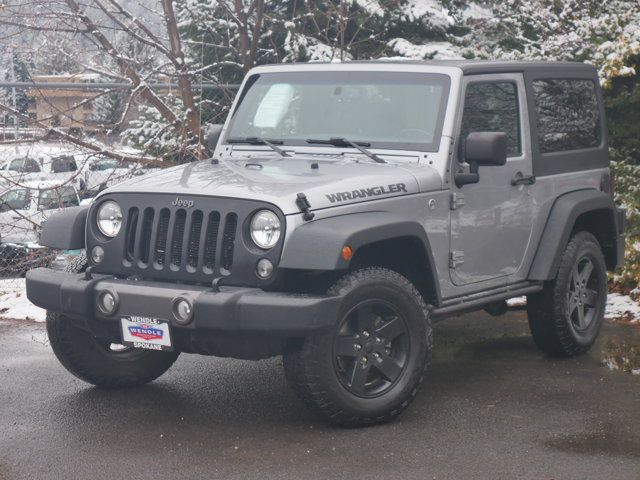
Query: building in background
(66, 108)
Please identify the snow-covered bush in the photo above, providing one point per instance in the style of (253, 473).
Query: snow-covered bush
(628, 195)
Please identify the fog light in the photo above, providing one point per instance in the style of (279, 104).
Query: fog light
(107, 303)
(182, 310)
(97, 255)
(264, 269)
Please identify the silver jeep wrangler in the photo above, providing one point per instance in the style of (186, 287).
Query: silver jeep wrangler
(346, 208)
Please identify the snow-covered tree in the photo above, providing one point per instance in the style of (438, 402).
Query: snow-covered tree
(115, 37)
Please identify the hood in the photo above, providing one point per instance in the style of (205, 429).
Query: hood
(326, 181)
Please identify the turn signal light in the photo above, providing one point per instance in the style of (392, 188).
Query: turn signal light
(347, 253)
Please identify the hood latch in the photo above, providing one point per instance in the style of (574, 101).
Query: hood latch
(303, 204)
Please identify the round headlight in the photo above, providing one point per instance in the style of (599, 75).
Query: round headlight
(109, 218)
(265, 229)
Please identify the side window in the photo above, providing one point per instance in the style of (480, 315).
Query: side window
(57, 198)
(16, 165)
(63, 164)
(567, 115)
(25, 165)
(493, 107)
(31, 166)
(14, 200)
(69, 197)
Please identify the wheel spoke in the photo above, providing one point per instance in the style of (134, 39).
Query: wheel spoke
(366, 318)
(592, 297)
(345, 346)
(585, 273)
(391, 329)
(388, 367)
(358, 376)
(573, 304)
(570, 296)
(575, 278)
(581, 316)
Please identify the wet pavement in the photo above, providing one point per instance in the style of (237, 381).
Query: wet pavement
(492, 407)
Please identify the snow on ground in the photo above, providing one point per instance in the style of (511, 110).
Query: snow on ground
(618, 307)
(622, 306)
(14, 304)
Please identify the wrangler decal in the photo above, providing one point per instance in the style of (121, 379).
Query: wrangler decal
(366, 192)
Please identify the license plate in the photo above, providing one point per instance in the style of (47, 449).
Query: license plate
(146, 332)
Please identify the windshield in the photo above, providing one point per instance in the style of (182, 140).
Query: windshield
(385, 109)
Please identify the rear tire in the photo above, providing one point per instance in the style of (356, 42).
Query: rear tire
(369, 367)
(566, 317)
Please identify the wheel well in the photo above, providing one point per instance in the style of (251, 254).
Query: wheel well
(405, 255)
(600, 224)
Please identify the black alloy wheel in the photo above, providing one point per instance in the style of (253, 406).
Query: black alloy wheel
(371, 348)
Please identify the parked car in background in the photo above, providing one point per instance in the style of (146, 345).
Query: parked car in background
(102, 172)
(60, 170)
(24, 208)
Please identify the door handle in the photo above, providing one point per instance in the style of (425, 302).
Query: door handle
(520, 179)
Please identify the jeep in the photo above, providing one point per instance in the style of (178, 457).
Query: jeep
(345, 209)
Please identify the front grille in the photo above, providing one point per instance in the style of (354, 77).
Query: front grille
(166, 242)
(180, 240)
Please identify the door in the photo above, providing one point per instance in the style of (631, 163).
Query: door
(491, 220)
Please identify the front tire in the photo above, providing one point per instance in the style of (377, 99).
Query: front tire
(369, 367)
(566, 317)
(99, 362)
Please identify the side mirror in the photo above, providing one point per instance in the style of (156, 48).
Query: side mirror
(482, 148)
(213, 135)
(486, 148)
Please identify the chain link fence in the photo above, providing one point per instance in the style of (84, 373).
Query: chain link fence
(37, 180)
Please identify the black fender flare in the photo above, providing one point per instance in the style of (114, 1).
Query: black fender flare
(65, 230)
(560, 223)
(317, 245)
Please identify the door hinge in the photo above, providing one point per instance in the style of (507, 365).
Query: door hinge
(457, 200)
(456, 258)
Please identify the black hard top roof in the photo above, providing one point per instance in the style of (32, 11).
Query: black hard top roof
(476, 67)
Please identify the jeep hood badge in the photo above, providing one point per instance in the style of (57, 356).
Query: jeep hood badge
(180, 202)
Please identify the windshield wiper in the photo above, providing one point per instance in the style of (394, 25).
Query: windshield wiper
(343, 142)
(261, 141)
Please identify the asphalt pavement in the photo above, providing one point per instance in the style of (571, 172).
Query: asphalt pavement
(492, 407)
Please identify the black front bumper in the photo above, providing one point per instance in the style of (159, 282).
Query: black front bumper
(232, 310)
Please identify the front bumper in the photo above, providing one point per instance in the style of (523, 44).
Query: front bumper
(232, 310)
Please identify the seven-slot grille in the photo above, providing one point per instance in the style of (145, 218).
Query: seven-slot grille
(180, 239)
